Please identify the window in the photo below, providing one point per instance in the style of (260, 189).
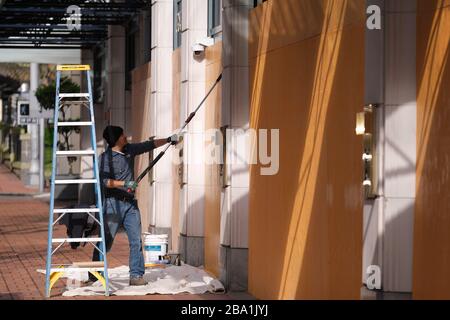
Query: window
(214, 17)
(177, 25)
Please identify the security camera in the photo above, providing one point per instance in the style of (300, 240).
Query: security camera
(200, 46)
(198, 49)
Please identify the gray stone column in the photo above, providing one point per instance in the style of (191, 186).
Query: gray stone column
(374, 93)
(33, 128)
(161, 193)
(235, 115)
(192, 91)
(391, 82)
(399, 144)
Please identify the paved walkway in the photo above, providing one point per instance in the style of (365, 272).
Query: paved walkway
(23, 246)
(11, 184)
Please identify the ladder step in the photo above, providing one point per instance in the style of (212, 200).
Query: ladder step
(88, 264)
(73, 67)
(75, 181)
(60, 240)
(74, 95)
(84, 264)
(75, 152)
(75, 123)
(74, 269)
(76, 210)
(72, 102)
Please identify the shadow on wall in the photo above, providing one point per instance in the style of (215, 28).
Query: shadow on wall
(307, 219)
(393, 242)
(398, 222)
(431, 278)
(192, 249)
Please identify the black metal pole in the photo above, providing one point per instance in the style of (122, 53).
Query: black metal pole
(186, 122)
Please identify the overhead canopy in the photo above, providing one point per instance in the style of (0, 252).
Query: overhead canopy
(47, 56)
(51, 24)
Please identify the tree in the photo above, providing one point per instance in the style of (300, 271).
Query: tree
(45, 94)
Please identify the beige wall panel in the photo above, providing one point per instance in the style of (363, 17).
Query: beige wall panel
(296, 20)
(176, 81)
(431, 262)
(212, 183)
(140, 105)
(305, 237)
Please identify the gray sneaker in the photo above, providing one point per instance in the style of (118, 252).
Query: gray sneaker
(137, 281)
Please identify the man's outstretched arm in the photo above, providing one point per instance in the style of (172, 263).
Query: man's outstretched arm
(160, 142)
(111, 184)
(147, 146)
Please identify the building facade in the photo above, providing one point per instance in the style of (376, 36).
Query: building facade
(306, 68)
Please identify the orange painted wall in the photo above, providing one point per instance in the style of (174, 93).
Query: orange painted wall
(307, 79)
(431, 264)
(212, 183)
(140, 105)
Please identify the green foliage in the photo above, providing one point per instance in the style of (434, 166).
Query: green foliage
(45, 94)
(5, 127)
(48, 136)
(48, 151)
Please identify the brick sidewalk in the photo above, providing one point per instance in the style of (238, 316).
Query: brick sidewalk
(11, 184)
(23, 249)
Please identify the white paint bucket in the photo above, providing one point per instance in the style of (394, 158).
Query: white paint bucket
(155, 245)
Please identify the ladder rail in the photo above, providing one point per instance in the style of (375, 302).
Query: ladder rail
(52, 188)
(59, 218)
(97, 185)
(56, 249)
(101, 253)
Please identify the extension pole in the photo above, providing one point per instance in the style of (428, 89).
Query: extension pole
(186, 122)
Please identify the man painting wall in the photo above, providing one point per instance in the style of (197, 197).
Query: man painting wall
(120, 204)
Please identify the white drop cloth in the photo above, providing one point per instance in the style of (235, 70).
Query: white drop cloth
(169, 280)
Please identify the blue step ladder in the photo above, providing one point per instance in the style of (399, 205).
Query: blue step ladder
(54, 272)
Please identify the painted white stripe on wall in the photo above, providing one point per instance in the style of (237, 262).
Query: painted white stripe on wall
(161, 87)
(193, 74)
(239, 217)
(195, 210)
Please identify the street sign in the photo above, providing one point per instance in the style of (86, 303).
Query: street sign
(27, 120)
(23, 113)
(26, 115)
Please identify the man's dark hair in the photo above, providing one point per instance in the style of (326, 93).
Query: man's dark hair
(111, 134)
